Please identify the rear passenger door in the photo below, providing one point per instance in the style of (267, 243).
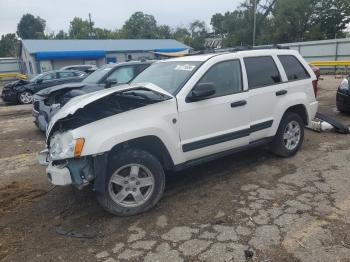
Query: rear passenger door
(265, 89)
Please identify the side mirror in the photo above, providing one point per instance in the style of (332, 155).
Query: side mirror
(39, 81)
(201, 91)
(111, 82)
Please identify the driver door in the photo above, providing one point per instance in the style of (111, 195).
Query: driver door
(219, 122)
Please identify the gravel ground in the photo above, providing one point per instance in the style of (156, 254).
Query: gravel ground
(250, 206)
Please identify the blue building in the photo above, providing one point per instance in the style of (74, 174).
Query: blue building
(44, 55)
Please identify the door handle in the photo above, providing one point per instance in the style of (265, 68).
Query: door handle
(281, 92)
(239, 103)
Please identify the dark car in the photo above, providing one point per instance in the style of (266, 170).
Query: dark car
(22, 91)
(343, 96)
(84, 68)
(47, 102)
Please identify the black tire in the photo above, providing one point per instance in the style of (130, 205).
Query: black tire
(129, 157)
(23, 97)
(278, 146)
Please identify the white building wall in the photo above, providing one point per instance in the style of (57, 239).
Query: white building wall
(29, 62)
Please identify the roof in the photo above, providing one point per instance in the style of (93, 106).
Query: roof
(119, 45)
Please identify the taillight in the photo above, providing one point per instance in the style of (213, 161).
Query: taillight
(314, 85)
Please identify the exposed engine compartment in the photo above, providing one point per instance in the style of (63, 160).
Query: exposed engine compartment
(112, 104)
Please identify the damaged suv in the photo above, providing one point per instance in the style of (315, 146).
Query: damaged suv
(176, 114)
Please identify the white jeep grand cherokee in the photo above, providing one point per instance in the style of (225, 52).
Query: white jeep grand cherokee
(178, 113)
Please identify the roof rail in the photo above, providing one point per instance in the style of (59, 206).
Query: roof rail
(237, 49)
(262, 47)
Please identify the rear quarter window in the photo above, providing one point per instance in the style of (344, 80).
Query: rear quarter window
(261, 71)
(293, 68)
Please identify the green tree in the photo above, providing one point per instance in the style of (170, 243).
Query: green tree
(199, 32)
(30, 27)
(80, 29)
(61, 35)
(333, 17)
(293, 20)
(198, 29)
(8, 45)
(102, 33)
(140, 25)
(217, 23)
(182, 35)
(164, 32)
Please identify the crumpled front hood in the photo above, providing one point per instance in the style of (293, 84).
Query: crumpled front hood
(47, 91)
(81, 101)
(19, 82)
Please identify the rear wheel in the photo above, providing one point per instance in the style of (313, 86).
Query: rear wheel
(25, 97)
(290, 135)
(135, 183)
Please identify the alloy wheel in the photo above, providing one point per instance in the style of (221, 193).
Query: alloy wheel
(26, 97)
(292, 135)
(131, 185)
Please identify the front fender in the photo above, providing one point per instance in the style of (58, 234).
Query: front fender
(152, 120)
(24, 88)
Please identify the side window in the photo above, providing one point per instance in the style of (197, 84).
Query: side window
(293, 68)
(49, 76)
(225, 76)
(142, 67)
(122, 74)
(261, 71)
(66, 74)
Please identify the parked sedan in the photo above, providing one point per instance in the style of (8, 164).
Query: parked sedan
(343, 96)
(85, 68)
(22, 91)
(47, 102)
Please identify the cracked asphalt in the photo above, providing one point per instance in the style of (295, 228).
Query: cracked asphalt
(251, 206)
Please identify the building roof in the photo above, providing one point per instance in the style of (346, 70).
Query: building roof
(120, 45)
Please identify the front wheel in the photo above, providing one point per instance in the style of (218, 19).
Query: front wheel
(135, 183)
(25, 97)
(289, 136)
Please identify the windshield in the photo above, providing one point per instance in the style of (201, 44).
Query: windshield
(96, 76)
(167, 75)
(36, 78)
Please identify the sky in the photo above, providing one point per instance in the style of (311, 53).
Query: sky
(110, 14)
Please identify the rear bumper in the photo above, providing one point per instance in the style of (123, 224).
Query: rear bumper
(343, 102)
(313, 107)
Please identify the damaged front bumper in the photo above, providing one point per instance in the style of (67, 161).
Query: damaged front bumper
(9, 95)
(43, 113)
(77, 172)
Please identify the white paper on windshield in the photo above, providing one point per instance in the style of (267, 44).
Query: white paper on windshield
(185, 67)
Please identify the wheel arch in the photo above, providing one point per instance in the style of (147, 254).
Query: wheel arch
(150, 143)
(301, 110)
